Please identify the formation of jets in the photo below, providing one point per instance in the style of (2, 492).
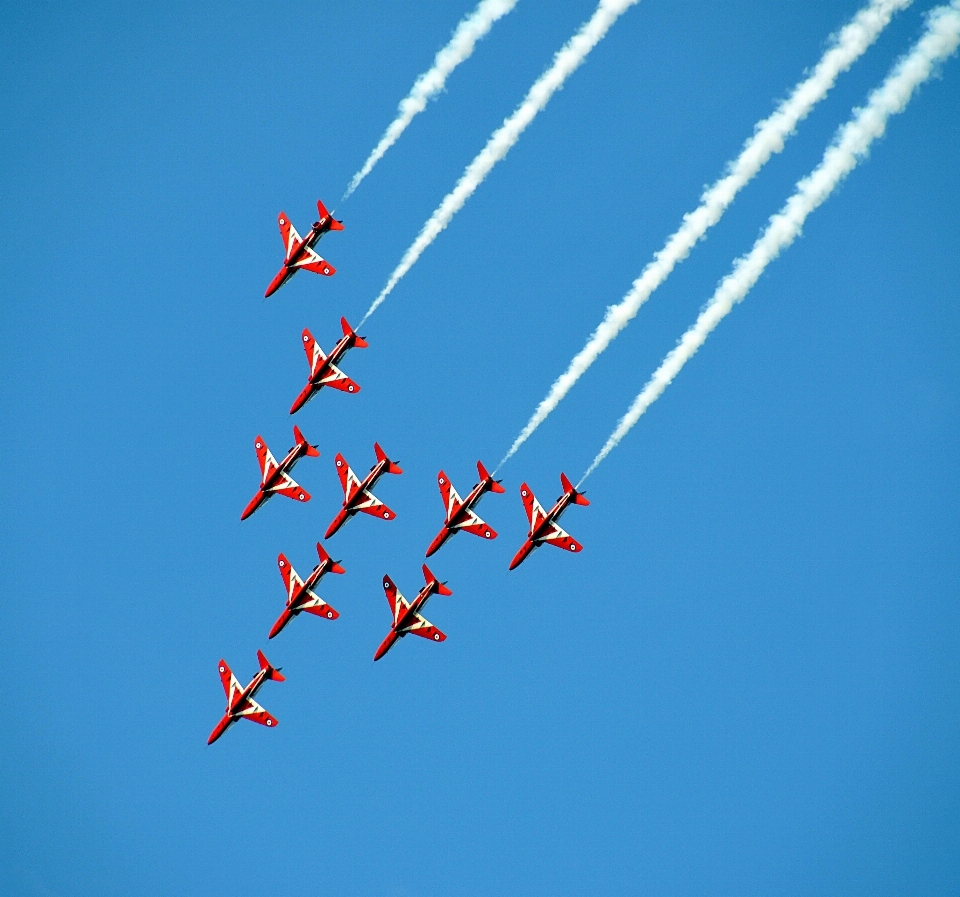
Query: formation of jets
(275, 479)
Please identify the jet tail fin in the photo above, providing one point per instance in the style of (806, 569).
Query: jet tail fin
(334, 565)
(358, 341)
(392, 467)
(494, 484)
(429, 577)
(322, 211)
(272, 671)
(578, 498)
(311, 450)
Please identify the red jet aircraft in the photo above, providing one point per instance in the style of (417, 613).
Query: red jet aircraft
(274, 478)
(543, 524)
(357, 496)
(300, 594)
(300, 252)
(406, 614)
(460, 515)
(240, 703)
(323, 368)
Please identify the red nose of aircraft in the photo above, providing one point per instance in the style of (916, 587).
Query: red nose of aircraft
(385, 645)
(221, 727)
(442, 537)
(337, 523)
(277, 282)
(521, 555)
(254, 504)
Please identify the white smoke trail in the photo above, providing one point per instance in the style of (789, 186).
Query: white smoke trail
(564, 64)
(848, 147)
(768, 138)
(471, 29)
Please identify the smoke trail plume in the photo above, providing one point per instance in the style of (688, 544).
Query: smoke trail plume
(564, 64)
(768, 138)
(848, 147)
(430, 83)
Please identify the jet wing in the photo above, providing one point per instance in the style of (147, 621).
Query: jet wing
(338, 380)
(314, 604)
(348, 479)
(452, 502)
(291, 578)
(231, 686)
(370, 504)
(286, 485)
(556, 536)
(252, 711)
(311, 347)
(310, 261)
(268, 464)
(534, 509)
(425, 629)
(291, 239)
(397, 602)
(476, 526)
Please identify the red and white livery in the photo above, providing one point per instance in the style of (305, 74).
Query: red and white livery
(300, 593)
(299, 250)
(544, 528)
(275, 478)
(406, 614)
(460, 513)
(323, 368)
(240, 703)
(357, 495)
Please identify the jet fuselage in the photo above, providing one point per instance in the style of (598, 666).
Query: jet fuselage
(350, 505)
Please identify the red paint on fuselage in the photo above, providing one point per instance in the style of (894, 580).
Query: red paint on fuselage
(342, 517)
(282, 276)
(386, 644)
(255, 503)
(285, 466)
(534, 539)
(325, 224)
(350, 506)
(344, 344)
(434, 587)
(439, 539)
(451, 528)
(232, 713)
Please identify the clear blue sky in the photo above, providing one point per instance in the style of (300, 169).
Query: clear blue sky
(747, 684)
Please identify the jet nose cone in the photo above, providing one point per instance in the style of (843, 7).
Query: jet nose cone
(518, 558)
(335, 524)
(250, 508)
(437, 542)
(385, 645)
(218, 730)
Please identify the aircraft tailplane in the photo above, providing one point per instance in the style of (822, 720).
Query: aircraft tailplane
(391, 467)
(311, 450)
(322, 210)
(272, 671)
(429, 577)
(334, 565)
(358, 341)
(578, 498)
(484, 475)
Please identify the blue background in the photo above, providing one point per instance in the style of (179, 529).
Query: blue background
(748, 684)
